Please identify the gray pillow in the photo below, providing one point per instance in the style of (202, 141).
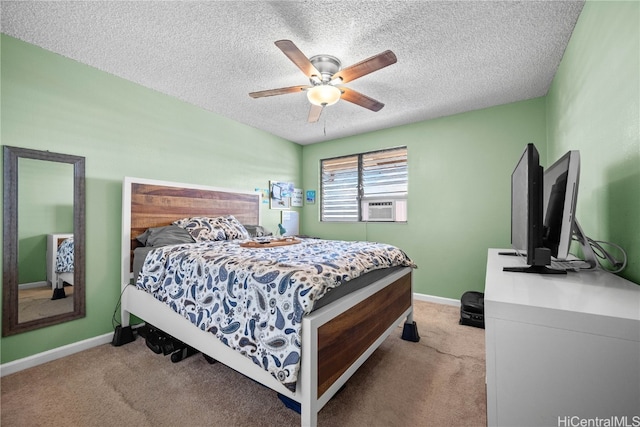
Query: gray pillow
(164, 236)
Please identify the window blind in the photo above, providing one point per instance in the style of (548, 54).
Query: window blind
(384, 174)
(340, 189)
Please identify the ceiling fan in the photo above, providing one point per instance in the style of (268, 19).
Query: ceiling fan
(325, 73)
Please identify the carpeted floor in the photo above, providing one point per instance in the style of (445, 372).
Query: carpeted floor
(36, 303)
(439, 381)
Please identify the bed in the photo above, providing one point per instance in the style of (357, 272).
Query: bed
(334, 340)
(60, 259)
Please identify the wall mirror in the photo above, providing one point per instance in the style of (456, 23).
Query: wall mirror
(43, 239)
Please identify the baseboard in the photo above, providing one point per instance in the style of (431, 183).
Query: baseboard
(57, 353)
(41, 284)
(53, 354)
(437, 300)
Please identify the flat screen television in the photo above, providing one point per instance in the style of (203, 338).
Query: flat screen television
(561, 181)
(560, 195)
(527, 230)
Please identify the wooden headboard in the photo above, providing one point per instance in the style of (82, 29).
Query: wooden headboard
(148, 203)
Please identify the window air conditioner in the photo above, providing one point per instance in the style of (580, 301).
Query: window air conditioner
(381, 211)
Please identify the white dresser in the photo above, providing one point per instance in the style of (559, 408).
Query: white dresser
(560, 350)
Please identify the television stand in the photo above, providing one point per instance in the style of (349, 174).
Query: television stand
(536, 269)
(561, 348)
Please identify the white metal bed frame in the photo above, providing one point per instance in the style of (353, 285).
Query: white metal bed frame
(146, 307)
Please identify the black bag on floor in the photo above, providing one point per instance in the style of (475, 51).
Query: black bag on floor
(472, 309)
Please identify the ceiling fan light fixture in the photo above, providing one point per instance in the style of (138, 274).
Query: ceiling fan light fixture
(323, 95)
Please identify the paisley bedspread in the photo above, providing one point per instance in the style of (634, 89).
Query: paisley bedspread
(64, 257)
(253, 300)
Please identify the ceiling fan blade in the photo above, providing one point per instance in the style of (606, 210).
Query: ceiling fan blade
(367, 66)
(280, 91)
(360, 99)
(314, 113)
(297, 57)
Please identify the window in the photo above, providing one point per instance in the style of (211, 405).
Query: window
(365, 187)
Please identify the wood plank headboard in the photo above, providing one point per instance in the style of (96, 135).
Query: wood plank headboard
(149, 203)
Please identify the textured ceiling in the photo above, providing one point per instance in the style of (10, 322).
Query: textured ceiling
(452, 56)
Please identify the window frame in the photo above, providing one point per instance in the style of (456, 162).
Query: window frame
(360, 196)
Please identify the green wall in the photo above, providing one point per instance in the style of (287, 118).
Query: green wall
(592, 106)
(459, 191)
(122, 129)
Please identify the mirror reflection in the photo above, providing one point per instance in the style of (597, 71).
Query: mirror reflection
(43, 239)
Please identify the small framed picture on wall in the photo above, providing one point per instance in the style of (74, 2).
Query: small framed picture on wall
(296, 198)
(310, 197)
(280, 194)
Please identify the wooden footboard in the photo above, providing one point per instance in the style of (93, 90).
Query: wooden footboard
(342, 336)
(342, 340)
